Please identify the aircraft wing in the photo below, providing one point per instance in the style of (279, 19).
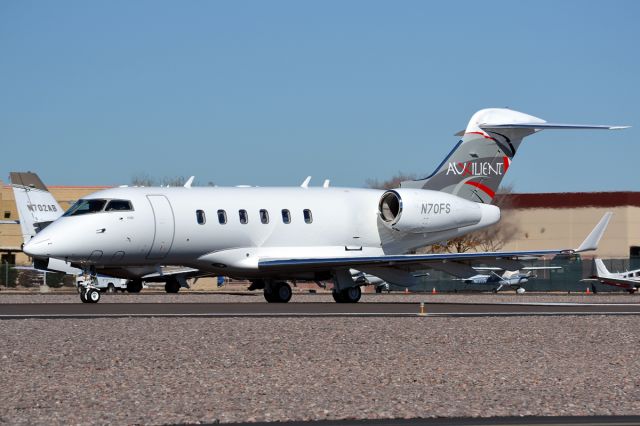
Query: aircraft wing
(458, 264)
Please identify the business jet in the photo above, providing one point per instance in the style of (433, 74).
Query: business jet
(512, 279)
(274, 235)
(628, 280)
(37, 209)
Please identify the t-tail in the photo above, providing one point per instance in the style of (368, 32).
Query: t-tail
(478, 163)
(36, 206)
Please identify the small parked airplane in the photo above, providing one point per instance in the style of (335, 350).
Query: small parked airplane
(274, 235)
(513, 279)
(628, 280)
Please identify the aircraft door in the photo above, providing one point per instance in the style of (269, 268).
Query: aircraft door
(164, 226)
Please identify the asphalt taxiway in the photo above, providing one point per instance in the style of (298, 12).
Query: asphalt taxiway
(149, 310)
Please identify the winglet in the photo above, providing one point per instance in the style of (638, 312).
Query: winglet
(592, 240)
(189, 182)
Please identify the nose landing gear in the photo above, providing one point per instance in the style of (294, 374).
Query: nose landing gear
(89, 293)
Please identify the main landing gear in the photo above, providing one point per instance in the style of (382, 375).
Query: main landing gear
(347, 295)
(277, 292)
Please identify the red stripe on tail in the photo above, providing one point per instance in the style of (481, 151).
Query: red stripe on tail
(482, 187)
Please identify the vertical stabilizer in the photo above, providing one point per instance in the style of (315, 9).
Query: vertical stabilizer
(478, 163)
(36, 206)
(601, 270)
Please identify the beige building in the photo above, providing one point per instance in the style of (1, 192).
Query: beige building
(538, 221)
(558, 220)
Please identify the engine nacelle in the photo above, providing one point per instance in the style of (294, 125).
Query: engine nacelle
(421, 211)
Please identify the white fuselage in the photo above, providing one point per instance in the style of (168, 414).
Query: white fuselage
(181, 226)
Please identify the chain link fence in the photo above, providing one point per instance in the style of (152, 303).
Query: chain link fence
(12, 277)
(569, 278)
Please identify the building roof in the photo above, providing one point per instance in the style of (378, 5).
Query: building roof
(568, 200)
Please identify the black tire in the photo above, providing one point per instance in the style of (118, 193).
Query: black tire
(82, 296)
(278, 293)
(172, 286)
(268, 295)
(378, 289)
(134, 286)
(283, 292)
(93, 296)
(111, 288)
(348, 295)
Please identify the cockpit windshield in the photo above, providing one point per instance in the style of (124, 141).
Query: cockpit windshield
(98, 205)
(85, 207)
(119, 205)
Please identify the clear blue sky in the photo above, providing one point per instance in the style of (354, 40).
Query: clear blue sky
(268, 92)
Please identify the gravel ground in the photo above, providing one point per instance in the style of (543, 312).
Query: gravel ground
(256, 297)
(160, 370)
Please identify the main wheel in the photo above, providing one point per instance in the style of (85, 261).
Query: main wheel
(93, 296)
(348, 295)
(278, 293)
(134, 286)
(283, 292)
(83, 297)
(172, 286)
(111, 288)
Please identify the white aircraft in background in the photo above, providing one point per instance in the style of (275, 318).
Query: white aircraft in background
(513, 279)
(628, 280)
(274, 235)
(37, 209)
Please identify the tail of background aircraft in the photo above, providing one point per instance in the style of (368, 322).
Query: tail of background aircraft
(601, 270)
(475, 167)
(36, 206)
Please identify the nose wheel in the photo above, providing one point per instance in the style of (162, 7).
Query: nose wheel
(89, 293)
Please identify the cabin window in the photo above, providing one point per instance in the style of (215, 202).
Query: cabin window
(7, 215)
(244, 217)
(222, 217)
(86, 206)
(286, 216)
(200, 217)
(308, 217)
(264, 216)
(119, 205)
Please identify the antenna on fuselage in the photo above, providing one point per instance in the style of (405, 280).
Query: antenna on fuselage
(189, 182)
(305, 184)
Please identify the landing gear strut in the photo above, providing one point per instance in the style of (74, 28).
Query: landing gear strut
(278, 292)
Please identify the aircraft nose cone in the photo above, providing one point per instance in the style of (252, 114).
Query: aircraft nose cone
(37, 246)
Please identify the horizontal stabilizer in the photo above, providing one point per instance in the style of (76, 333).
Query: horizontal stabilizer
(545, 125)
